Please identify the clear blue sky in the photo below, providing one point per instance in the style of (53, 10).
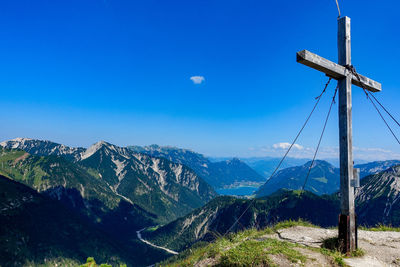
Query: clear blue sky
(76, 72)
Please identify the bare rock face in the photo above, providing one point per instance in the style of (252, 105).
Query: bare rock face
(158, 185)
(378, 199)
(43, 148)
(219, 174)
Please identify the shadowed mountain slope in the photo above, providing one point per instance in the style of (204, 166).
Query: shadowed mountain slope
(218, 216)
(36, 230)
(377, 202)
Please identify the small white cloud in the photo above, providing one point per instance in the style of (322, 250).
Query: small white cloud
(286, 146)
(197, 79)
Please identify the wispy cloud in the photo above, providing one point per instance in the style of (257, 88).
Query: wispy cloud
(299, 151)
(286, 146)
(197, 79)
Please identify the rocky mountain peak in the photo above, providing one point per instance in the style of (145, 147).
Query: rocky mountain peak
(107, 148)
(43, 147)
(234, 161)
(319, 163)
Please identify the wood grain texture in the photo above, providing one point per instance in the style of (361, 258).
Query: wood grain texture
(346, 137)
(335, 70)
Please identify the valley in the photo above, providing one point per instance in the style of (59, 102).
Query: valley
(119, 193)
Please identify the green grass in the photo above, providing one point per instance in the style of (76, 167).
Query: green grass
(337, 257)
(357, 253)
(10, 155)
(321, 179)
(90, 262)
(255, 253)
(292, 223)
(152, 229)
(240, 251)
(245, 248)
(253, 247)
(380, 228)
(331, 247)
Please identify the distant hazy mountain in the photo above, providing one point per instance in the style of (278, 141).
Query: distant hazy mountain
(235, 171)
(159, 186)
(36, 230)
(218, 174)
(266, 165)
(323, 179)
(375, 167)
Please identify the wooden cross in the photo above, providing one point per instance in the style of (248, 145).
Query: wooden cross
(341, 72)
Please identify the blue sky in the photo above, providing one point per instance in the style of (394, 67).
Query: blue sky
(76, 72)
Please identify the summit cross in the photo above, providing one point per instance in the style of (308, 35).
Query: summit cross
(342, 72)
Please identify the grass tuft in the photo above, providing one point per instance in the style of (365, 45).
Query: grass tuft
(380, 228)
(253, 248)
(292, 223)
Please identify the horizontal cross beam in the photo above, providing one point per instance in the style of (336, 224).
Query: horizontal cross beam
(335, 71)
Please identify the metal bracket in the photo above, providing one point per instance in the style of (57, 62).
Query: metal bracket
(355, 182)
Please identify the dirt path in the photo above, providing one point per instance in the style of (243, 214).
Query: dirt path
(139, 235)
(381, 248)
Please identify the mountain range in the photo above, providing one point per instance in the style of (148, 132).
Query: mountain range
(377, 202)
(221, 174)
(375, 167)
(266, 165)
(157, 185)
(107, 188)
(109, 193)
(324, 178)
(220, 214)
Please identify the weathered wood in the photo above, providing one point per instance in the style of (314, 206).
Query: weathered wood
(334, 70)
(346, 137)
(345, 78)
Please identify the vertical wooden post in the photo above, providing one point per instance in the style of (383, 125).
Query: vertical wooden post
(347, 222)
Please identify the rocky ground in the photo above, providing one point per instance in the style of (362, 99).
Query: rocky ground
(293, 243)
(381, 248)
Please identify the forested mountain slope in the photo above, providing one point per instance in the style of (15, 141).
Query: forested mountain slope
(36, 230)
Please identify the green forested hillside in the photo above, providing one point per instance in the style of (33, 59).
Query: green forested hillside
(377, 202)
(219, 215)
(37, 230)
